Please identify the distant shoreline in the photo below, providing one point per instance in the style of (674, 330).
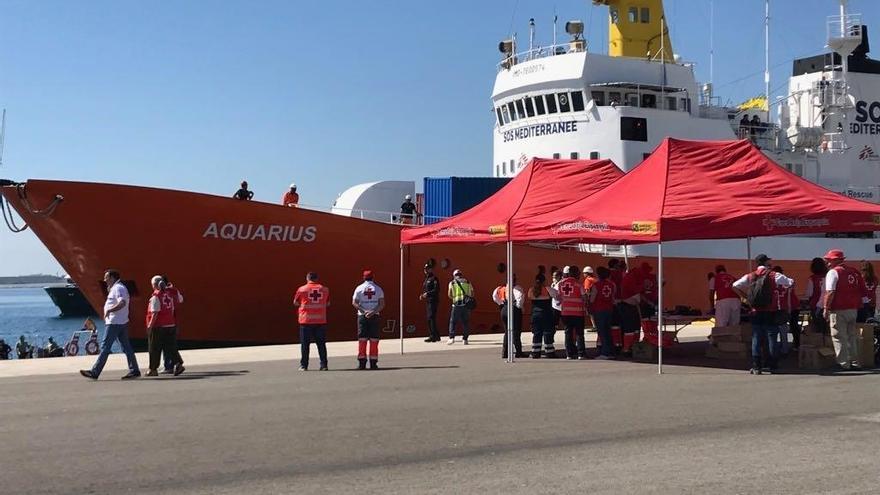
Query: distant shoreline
(25, 286)
(31, 280)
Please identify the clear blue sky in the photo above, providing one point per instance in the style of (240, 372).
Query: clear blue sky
(197, 95)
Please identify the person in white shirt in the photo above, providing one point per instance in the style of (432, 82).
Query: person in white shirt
(499, 295)
(116, 320)
(556, 301)
(369, 300)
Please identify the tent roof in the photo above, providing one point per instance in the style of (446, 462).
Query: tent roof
(542, 185)
(701, 190)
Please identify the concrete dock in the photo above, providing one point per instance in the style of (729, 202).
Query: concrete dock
(439, 419)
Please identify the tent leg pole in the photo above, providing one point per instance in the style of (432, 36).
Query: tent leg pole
(510, 302)
(626, 255)
(659, 308)
(748, 254)
(400, 321)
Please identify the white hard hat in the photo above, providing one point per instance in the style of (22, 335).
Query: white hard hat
(293, 185)
(456, 272)
(407, 197)
(566, 270)
(588, 269)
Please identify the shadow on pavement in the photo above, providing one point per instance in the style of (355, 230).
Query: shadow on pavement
(395, 368)
(199, 375)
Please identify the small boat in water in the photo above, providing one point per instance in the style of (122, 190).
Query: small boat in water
(69, 299)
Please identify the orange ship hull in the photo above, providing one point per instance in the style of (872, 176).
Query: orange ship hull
(239, 263)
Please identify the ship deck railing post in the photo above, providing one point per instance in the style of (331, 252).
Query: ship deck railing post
(400, 320)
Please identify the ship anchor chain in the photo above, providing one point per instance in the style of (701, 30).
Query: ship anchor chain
(6, 208)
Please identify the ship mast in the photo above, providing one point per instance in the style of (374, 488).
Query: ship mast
(767, 58)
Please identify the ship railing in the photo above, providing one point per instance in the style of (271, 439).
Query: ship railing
(383, 216)
(763, 135)
(538, 53)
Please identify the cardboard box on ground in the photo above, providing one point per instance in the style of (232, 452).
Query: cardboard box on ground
(866, 345)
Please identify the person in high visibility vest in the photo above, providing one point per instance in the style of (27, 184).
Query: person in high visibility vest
(844, 295)
(460, 291)
(312, 300)
(571, 292)
(499, 295)
(369, 300)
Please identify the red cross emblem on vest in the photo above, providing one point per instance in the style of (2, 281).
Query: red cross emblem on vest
(567, 289)
(369, 293)
(316, 295)
(606, 291)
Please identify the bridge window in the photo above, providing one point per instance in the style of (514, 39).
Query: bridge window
(670, 103)
(632, 99)
(577, 101)
(598, 98)
(574, 155)
(594, 155)
(633, 129)
(512, 112)
(511, 167)
(539, 105)
(649, 101)
(497, 170)
(520, 112)
(505, 114)
(556, 156)
(614, 97)
(799, 169)
(551, 103)
(530, 108)
(564, 104)
(646, 15)
(500, 119)
(633, 15)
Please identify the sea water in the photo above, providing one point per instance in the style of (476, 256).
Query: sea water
(30, 312)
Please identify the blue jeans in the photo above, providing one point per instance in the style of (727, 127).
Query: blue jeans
(459, 314)
(770, 332)
(307, 334)
(114, 333)
(603, 328)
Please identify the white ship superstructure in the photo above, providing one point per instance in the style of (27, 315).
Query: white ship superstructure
(564, 101)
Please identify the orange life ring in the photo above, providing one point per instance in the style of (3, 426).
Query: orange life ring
(72, 349)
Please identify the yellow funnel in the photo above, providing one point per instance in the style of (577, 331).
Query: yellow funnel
(635, 28)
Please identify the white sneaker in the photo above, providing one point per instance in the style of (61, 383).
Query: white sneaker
(450, 341)
(465, 342)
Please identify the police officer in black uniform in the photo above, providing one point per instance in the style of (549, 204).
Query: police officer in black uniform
(431, 296)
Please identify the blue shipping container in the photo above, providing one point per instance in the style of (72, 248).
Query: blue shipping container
(448, 196)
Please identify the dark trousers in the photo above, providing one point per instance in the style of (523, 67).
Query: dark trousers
(867, 311)
(818, 321)
(768, 332)
(602, 319)
(543, 329)
(574, 336)
(431, 309)
(168, 360)
(517, 330)
(162, 340)
(309, 334)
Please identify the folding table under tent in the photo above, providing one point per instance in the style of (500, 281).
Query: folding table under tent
(691, 190)
(542, 186)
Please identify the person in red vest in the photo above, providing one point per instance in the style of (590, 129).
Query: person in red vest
(815, 296)
(601, 308)
(161, 327)
(167, 361)
(844, 293)
(631, 289)
(724, 301)
(312, 299)
(758, 288)
(571, 294)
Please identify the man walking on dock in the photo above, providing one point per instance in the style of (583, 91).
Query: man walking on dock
(312, 300)
(116, 319)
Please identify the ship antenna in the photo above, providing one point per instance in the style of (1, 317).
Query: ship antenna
(531, 35)
(711, 41)
(555, 18)
(767, 58)
(2, 135)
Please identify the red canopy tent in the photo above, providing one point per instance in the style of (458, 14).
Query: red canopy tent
(542, 186)
(690, 190)
(700, 190)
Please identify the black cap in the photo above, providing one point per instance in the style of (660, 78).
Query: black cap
(427, 266)
(762, 259)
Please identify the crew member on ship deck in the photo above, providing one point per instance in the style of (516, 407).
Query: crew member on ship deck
(408, 212)
(243, 194)
(290, 198)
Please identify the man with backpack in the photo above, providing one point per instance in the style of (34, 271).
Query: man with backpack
(757, 288)
(461, 292)
(844, 290)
